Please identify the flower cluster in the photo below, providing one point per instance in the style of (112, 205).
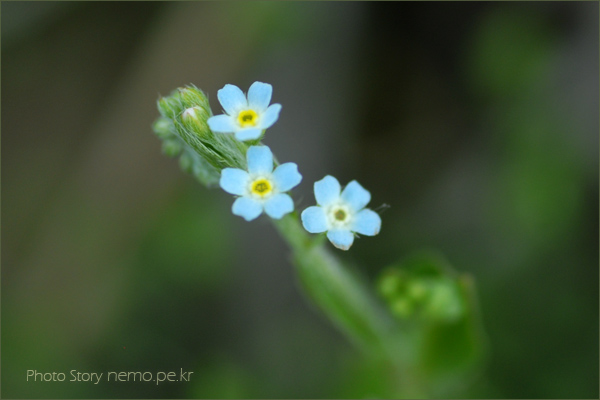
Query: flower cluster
(258, 182)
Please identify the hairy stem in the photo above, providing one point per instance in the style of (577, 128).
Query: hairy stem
(339, 291)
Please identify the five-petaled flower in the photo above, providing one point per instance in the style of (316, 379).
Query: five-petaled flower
(248, 117)
(261, 188)
(341, 213)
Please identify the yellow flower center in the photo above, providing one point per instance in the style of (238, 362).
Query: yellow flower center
(340, 215)
(261, 187)
(247, 118)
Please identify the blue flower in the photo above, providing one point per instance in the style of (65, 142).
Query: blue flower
(248, 117)
(261, 188)
(341, 214)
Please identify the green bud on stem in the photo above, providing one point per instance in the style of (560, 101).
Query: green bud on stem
(183, 126)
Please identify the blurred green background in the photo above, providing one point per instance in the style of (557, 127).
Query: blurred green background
(476, 122)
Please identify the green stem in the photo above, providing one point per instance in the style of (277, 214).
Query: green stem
(339, 291)
(347, 300)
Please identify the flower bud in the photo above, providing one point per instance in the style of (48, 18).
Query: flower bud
(194, 119)
(402, 308)
(163, 127)
(186, 162)
(169, 106)
(171, 147)
(426, 297)
(390, 283)
(444, 302)
(191, 96)
(184, 129)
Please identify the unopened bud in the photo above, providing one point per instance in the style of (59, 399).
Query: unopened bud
(444, 301)
(184, 119)
(390, 283)
(402, 308)
(186, 162)
(428, 298)
(169, 107)
(163, 127)
(172, 147)
(191, 96)
(190, 113)
(194, 119)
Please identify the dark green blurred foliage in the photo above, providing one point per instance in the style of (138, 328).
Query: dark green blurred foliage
(538, 208)
(438, 307)
(184, 250)
(476, 122)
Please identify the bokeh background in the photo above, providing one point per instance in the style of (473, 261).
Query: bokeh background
(476, 122)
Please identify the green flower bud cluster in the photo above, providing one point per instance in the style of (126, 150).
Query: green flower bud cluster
(183, 129)
(430, 298)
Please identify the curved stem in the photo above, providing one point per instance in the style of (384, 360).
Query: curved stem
(340, 292)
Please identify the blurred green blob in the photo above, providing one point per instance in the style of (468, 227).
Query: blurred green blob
(171, 148)
(402, 307)
(422, 295)
(439, 309)
(186, 162)
(163, 127)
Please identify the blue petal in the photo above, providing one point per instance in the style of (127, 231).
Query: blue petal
(367, 222)
(279, 205)
(259, 96)
(341, 238)
(356, 196)
(247, 208)
(234, 181)
(260, 160)
(221, 123)
(232, 99)
(248, 134)
(327, 190)
(314, 219)
(286, 176)
(270, 116)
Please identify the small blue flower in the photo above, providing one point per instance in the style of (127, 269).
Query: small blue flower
(248, 117)
(261, 188)
(341, 214)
